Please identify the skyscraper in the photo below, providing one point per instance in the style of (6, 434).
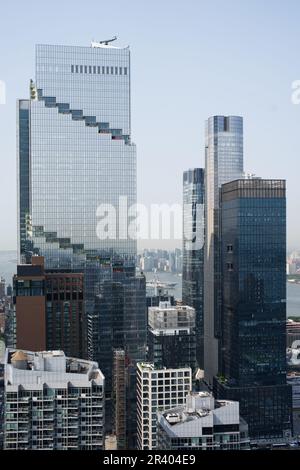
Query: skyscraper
(223, 163)
(253, 367)
(76, 161)
(193, 250)
(76, 154)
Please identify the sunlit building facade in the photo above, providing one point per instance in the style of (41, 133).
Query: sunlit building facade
(223, 163)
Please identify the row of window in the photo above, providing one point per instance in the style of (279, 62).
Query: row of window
(100, 70)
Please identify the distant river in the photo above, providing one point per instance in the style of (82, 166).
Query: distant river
(8, 262)
(293, 291)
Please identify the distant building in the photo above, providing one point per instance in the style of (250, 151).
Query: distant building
(154, 300)
(193, 250)
(52, 402)
(10, 324)
(157, 389)
(292, 333)
(172, 336)
(9, 290)
(202, 423)
(2, 288)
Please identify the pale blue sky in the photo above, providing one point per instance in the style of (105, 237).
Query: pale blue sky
(190, 60)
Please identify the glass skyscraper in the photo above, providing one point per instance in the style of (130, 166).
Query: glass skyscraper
(193, 250)
(75, 153)
(76, 160)
(252, 369)
(223, 163)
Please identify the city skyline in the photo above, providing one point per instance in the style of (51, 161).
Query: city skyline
(263, 99)
(151, 303)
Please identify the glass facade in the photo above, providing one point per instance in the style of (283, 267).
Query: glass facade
(193, 250)
(223, 163)
(23, 172)
(120, 323)
(75, 154)
(77, 163)
(253, 365)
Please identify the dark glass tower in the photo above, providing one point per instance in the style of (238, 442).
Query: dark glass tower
(253, 360)
(193, 251)
(120, 323)
(23, 172)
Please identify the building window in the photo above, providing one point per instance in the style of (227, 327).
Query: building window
(72, 68)
(76, 69)
(125, 70)
(120, 70)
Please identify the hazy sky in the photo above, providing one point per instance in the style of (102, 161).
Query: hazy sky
(190, 59)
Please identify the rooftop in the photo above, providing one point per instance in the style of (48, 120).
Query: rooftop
(149, 367)
(202, 409)
(34, 369)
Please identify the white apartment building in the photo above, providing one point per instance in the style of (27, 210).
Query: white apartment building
(52, 402)
(157, 390)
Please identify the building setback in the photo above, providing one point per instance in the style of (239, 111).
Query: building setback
(253, 362)
(52, 402)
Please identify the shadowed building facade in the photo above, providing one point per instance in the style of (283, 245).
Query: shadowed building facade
(253, 360)
(193, 251)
